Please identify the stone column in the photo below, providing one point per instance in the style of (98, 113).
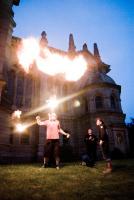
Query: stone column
(15, 92)
(2, 83)
(6, 28)
(40, 153)
(24, 93)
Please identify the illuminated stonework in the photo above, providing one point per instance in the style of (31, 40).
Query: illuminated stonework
(94, 95)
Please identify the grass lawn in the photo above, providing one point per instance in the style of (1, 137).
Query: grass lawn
(71, 182)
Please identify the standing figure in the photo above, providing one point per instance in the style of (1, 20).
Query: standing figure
(52, 144)
(104, 145)
(91, 146)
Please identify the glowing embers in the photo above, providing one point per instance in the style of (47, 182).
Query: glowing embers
(20, 127)
(16, 114)
(48, 62)
(16, 121)
(77, 103)
(52, 103)
(28, 52)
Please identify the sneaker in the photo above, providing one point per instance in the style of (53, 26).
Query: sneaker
(44, 166)
(57, 167)
(107, 171)
(83, 163)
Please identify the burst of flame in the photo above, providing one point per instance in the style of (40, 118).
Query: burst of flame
(16, 114)
(52, 103)
(77, 103)
(50, 62)
(20, 127)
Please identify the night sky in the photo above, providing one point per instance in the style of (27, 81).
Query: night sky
(109, 23)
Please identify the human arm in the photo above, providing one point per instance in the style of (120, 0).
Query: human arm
(39, 122)
(64, 133)
(101, 142)
(86, 138)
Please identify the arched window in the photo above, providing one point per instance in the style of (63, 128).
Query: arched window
(64, 90)
(112, 102)
(25, 138)
(85, 104)
(64, 93)
(28, 92)
(8, 90)
(11, 85)
(11, 138)
(19, 90)
(98, 102)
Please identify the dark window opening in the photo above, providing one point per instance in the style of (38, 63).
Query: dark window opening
(113, 104)
(98, 102)
(11, 138)
(25, 139)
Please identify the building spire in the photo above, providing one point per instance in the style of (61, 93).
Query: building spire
(85, 48)
(72, 46)
(103, 67)
(43, 41)
(96, 51)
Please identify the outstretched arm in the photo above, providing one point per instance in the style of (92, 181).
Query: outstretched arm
(64, 133)
(39, 122)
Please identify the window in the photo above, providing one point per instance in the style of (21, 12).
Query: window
(11, 85)
(64, 107)
(24, 139)
(64, 93)
(119, 137)
(19, 91)
(11, 138)
(8, 90)
(86, 105)
(20, 85)
(28, 92)
(112, 101)
(98, 102)
(19, 100)
(64, 90)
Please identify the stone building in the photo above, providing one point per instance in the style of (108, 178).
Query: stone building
(94, 95)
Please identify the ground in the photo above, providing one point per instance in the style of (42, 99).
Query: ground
(71, 182)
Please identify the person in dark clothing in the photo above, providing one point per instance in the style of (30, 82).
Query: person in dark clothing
(91, 146)
(104, 144)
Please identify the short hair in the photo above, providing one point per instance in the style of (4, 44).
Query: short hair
(52, 114)
(100, 120)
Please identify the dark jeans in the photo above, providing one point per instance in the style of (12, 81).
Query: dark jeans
(105, 151)
(52, 147)
(92, 155)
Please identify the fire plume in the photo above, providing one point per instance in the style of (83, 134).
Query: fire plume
(51, 63)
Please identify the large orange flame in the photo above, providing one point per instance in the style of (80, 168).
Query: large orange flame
(48, 62)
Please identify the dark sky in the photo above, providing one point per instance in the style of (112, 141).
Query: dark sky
(110, 23)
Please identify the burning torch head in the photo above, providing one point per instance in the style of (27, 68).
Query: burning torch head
(20, 127)
(16, 114)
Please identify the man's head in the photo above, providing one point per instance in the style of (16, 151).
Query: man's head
(90, 131)
(99, 122)
(52, 116)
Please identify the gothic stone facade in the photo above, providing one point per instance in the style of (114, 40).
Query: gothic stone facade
(96, 92)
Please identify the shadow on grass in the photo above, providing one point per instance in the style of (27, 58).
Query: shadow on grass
(123, 165)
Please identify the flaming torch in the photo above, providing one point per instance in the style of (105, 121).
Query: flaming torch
(20, 127)
(52, 103)
(16, 119)
(16, 114)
